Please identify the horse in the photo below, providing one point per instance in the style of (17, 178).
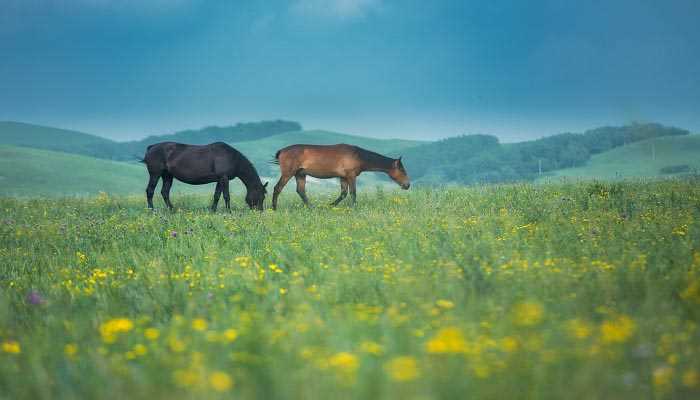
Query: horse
(198, 165)
(342, 161)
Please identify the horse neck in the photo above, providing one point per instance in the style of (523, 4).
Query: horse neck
(377, 162)
(249, 177)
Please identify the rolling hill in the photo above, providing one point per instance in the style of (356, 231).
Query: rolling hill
(27, 171)
(472, 159)
(640, 159)
(34, 172)
(37, 161)
(48, 138)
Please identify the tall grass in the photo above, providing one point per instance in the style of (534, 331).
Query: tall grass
(516, 291)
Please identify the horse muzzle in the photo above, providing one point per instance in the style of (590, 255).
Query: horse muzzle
(405, 186)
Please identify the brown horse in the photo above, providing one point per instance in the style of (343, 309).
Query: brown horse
(197, 165)
(335, 161)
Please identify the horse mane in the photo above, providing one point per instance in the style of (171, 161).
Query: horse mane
(373, 159)
(247, 172)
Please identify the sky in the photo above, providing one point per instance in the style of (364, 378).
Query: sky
(384, 68)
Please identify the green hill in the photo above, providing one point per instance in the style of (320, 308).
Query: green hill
(33, 172)
(475, 159)
(648, 158)
(48, 138)
(240, 132)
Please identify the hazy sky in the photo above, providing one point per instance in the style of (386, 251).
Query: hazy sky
(386, 68)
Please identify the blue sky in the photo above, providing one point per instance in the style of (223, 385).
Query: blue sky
(386, 68)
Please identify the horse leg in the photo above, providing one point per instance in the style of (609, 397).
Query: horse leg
(151, 188)
(353, 189)
(165, 189)
(301, 188)
(343, 191)
(224, 188)
(217, 194)
(278, 189)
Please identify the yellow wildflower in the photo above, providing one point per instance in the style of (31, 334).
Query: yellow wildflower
(11, 347)
(446, 304)
(345, 362)
(151, 333)
(371, 347)
(528, 314)
(691, 378)
(578, 329)
(199, 324)
(220, 381)
(110, 329)
(70, 350)
(402, 369)
(663, 376)
(509, 344)
(230, 335)
(176, 345)
(140, 350)
(617, 330)
(185, 377)
(692, 292)
(447, 340)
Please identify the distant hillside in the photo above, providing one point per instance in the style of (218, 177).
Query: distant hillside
(33, 172)
(658, 157)
(41, 137)
(482, 159)
(241, 132)
(260, 152)
(44, 137)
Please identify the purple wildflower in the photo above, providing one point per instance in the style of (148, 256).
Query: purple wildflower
(173, 234)
(35, 298)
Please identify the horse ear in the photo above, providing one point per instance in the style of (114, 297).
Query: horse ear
(265, 185)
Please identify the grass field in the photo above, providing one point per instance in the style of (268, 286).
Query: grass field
(32, 172)
(583, 291)
(640, 159)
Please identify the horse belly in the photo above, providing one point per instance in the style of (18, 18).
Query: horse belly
(193, 173)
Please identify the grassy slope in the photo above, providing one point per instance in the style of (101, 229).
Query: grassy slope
(635, 160)
(32, 172)
(43, 137)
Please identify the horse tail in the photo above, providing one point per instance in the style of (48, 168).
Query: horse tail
(277, 158)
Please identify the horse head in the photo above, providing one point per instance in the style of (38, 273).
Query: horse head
(398, 173)
(255, 198)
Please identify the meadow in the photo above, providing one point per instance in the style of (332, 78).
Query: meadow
(571, 290)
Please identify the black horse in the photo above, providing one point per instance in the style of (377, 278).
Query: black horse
(197, 165)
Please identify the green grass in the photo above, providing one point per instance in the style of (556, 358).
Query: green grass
(635, 160)
(32, 172)
(583, 291)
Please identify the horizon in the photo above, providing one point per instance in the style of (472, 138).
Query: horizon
(376, 68)
(308, 129)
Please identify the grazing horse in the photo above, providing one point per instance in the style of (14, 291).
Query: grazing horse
(335, 161)
(197, 165)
